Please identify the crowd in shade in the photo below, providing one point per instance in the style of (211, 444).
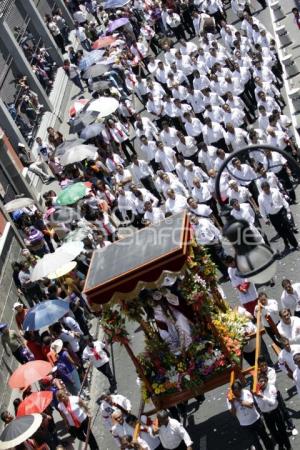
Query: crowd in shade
(167, 91)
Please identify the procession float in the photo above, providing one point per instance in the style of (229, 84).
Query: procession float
(160, 278)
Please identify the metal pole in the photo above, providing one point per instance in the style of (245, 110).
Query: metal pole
(112, 359)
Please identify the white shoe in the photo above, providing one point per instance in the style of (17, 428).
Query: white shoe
(294, 432)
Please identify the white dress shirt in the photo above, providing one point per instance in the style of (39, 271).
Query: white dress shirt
(250, 294)
(148, 151)
(177, 205)
(286, 358)
(271, 309)
(169, 138)
(291, 331)
(172, 434)
(291, 301)
(201, 211)
(193, 128)
(296, 377)
(246, 416)
(188, 148)
(91, 356)
(268, 402)
(245, 175)
(271, 203)
(213, 134)
(140, 170)
(166, 158)
(202, 194)
(206, 233)
(155, 216)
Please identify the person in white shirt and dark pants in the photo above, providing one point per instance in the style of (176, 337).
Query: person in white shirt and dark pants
(275, 209)
(266, 399)
(96, 353)
(241, 405)
(172, 434)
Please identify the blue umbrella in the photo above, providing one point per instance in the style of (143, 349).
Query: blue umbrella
(45, 314)
(117, 24)
(112, 4)
(92, 58)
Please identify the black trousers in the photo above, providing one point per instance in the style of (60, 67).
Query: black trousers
(148, 183)
(179, 32)
(287, 184)
(283, 228)
(106, 370)
(81, 433)
(127, 145)
(216, 252)
(275, 423)
(258, 431)
(60, 42)
(220, 144)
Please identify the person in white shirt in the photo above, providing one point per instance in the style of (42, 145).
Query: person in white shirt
(123, 177)
(289, 326)
(96, 353)
(245, 176)
(140, 196)
(246, 289)
(148, 149)
(168, 135)
(192, 172)
(214, 134)
(175, 203)
(115, 131)
(171, 433)
(111, 403)
(193, 126)
(286, 357)
(75, 414)
(243, 211)
(187, 146)
(152, 215)
(82, 37)
(174, 22)
(240, 403)
(165, 157)
(235, 137)
(126, 209)
(173, 183)
(290, 297)
(269, 308)
(274, 209)
(207, 156)
(241, 193)
(208, 235)
(142, 173)
(197, 209)
(266, 399)
(73, 73)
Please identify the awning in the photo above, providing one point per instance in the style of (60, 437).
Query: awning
(139, 261)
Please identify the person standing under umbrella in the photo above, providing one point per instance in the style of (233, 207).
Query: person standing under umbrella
(75, 413)
(66, 367)
(96, 353)
(10, 339)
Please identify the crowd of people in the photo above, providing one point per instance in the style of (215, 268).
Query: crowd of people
(191, 89)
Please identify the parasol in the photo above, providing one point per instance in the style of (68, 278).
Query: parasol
(113, 4)
(27, 374)
(77, 106)
(73, 193)
(91, 131)
(78, 235)
(77, 154)
(62, 271)
(60, 149)
(84, 119)
(95, 71)
(92, 58)
(19, 430)
(45, 314)
(53, 261)
(104, 41)
(117, 24)
(18, 203)
(36, 402)
(63, 214)
(104, 106)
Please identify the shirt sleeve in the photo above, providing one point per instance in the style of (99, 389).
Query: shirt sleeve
(184, 434)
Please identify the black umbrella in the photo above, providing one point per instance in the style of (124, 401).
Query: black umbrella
(61, 149)
(63, 215)
(84, 119)
(19, 430)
